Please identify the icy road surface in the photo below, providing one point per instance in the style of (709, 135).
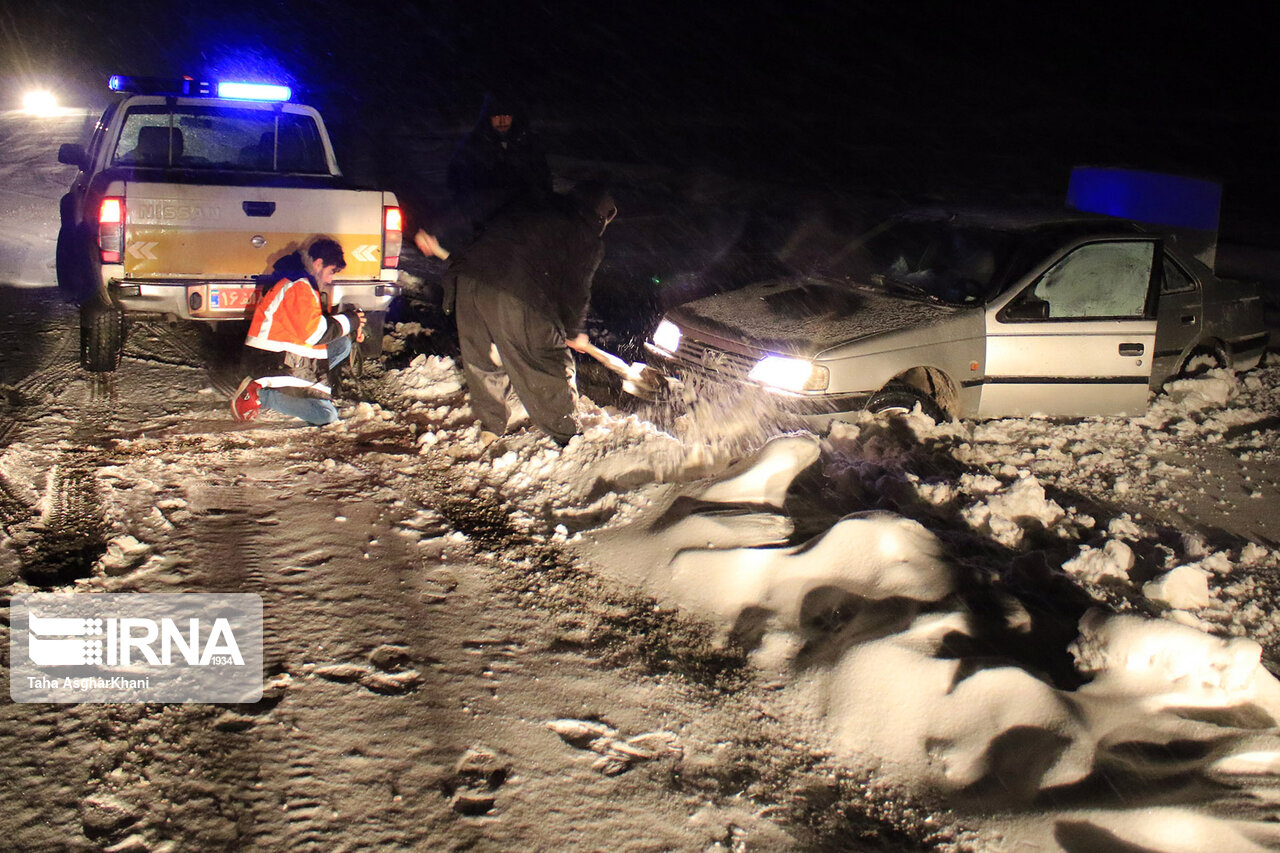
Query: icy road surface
(1013, 635)
(30, 175)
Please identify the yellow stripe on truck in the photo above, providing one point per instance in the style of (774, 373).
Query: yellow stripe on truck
(162, 252)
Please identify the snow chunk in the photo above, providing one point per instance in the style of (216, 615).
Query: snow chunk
(1009, 512)
(1253, 554)
(123, 553)
(1124, 527)
(426, 379)
(1184, 588)
(1214, 389)
(1178, 663)
(768, 475)
(1114, 560)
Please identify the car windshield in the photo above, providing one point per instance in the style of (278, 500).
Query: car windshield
(934, 259)
(206, 137)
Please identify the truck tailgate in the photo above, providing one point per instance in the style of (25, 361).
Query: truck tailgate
(176, 231)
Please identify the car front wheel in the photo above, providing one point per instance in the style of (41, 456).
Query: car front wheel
(902, 400)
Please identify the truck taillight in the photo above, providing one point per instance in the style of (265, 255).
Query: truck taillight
(111, 229)
(392, 226)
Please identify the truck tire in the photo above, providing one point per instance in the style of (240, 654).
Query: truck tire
(902, 400)
(101, 338)
(374, 323)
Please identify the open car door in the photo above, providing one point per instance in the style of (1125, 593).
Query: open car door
(1079, 338)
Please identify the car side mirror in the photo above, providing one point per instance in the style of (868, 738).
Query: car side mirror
(73, 154)
(1028, 308)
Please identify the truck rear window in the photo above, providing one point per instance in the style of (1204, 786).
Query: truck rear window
(203, 137)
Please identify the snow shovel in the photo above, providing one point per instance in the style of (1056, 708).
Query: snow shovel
(638, 379)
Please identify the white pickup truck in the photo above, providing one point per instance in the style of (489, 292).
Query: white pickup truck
(189, 192)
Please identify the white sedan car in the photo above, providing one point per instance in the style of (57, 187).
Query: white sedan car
(972, 314)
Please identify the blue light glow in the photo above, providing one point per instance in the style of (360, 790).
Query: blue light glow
(1152, 197)
(254, 91)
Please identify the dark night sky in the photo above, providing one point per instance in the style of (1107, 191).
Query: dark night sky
(850, 93)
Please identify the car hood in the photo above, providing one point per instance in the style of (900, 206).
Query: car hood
(806, 315)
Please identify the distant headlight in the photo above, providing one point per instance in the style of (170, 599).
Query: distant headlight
(790, 374)
(40, 102)
(667, 336)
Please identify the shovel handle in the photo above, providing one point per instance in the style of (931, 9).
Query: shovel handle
(608, 359)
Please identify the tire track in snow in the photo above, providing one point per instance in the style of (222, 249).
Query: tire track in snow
(55, 369)
(71, 534)
(163, 343)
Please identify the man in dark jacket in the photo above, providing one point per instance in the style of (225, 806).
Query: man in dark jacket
(522, 292)
(499, 161)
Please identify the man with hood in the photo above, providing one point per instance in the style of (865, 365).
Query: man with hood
(291, 335)
(500, 160)
(522, 292)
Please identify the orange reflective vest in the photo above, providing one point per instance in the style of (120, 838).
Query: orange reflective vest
(289, 319)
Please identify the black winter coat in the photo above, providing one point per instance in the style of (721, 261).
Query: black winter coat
(490, 170)
(545, 253)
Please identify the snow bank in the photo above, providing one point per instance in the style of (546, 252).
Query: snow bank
(861, 626)
(874, 557)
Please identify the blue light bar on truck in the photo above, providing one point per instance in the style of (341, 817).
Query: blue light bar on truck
(189, 88)
(254, 91)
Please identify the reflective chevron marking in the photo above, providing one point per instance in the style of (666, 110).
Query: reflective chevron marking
(143, 251)
(369, 252)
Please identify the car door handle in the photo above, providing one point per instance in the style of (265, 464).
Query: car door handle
(259, 208)
(1188, 319)
(1132, 349)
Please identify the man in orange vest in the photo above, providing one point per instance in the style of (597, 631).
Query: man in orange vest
(290, 336)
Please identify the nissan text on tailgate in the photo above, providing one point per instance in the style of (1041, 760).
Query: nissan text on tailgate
(190, 191)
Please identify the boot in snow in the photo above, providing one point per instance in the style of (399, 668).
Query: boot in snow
(245, 403)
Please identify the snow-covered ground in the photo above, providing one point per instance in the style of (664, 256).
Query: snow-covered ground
(918, 639)
(717, 633)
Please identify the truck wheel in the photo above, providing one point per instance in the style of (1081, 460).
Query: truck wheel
(101, 338)
(901, 400)
(374, 322)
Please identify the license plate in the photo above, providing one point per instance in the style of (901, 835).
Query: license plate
(231, 297)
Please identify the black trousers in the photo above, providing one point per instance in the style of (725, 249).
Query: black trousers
(536, 369)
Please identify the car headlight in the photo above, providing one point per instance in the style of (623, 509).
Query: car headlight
(667, 336)
(40, 102)
(790, 374)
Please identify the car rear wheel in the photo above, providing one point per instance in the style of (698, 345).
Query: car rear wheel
(1201, 361)
(101, 338)
(902, 400)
